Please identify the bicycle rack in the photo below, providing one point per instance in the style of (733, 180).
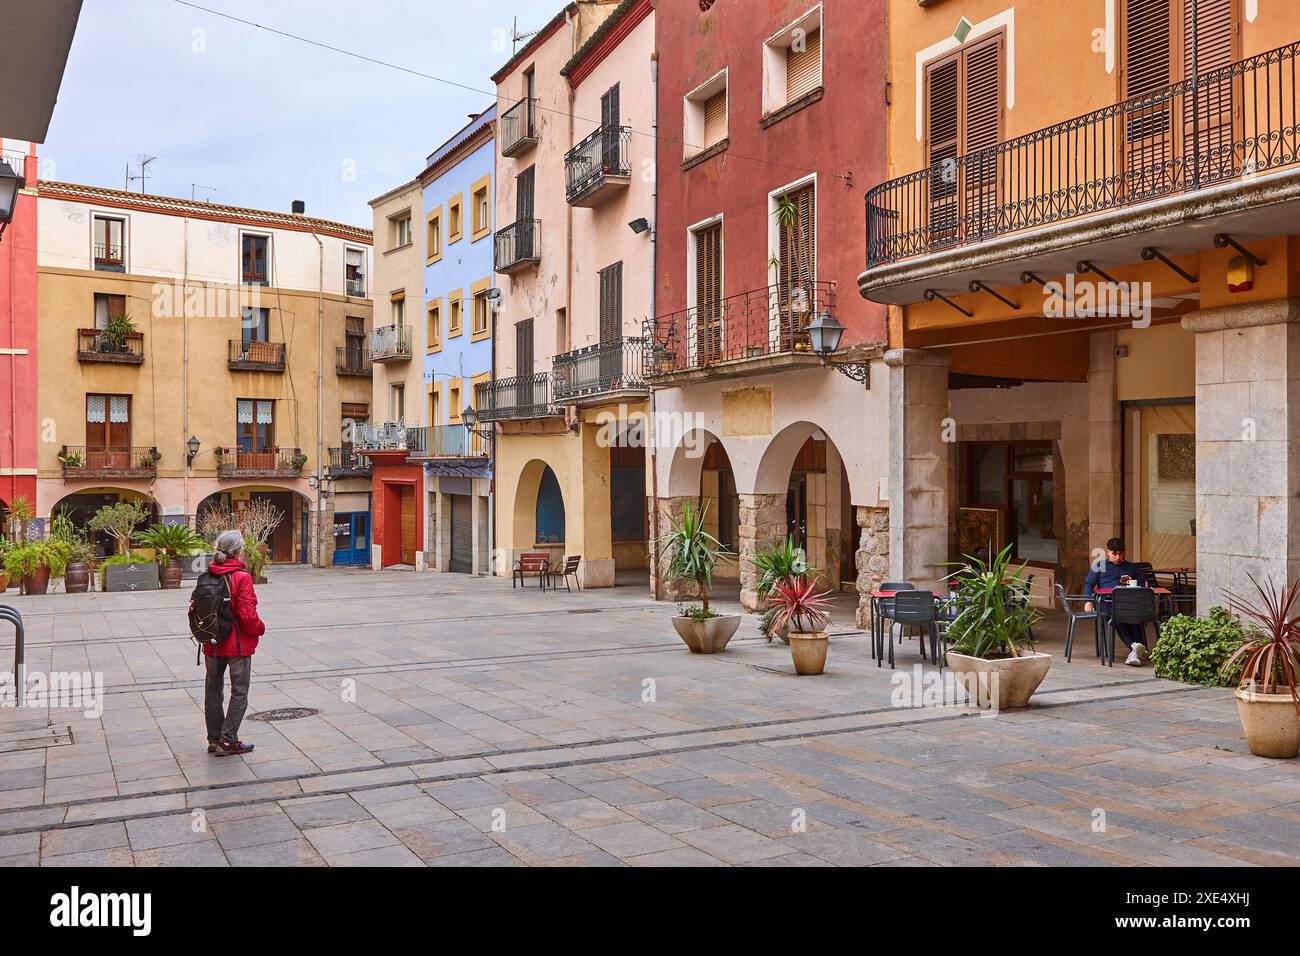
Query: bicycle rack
(11, 615)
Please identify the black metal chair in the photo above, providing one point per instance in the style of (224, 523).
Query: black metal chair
(1074, 616)
(915, 609)
(880, 611)
(567, 570)
(1130, 606)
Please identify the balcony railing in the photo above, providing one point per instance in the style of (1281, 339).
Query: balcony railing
(768, 321)
(517, 245)
(390, 436)
(352, 360)
(523, 396)
(1232, 122)
(598, 166)
(356, 287)
(519, 127)
(600, 369)
(278, 463)
(81, 461)
(390, 343)
(94, 346)
(347, 462)
(256, 356)
(110, 257)
(447, 441)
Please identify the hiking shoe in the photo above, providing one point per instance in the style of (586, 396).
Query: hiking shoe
(233, 748)
(1141, 651)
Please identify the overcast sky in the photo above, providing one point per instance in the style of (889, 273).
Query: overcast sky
(259, 120)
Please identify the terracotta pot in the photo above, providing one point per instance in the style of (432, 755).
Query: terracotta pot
(38, 582)
(1271, 724)
(4, 581)
(76, 578)
(808, 650)
(169, 577)
(709, 636)
(1012, 679)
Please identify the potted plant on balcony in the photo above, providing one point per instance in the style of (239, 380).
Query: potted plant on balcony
(149, 459)
(1268, 701)
(113, 337)
(298, 461)
(991, 634)
(782, 562)
(803, 611)
(70, 459)
(172, 542)
(692, 554)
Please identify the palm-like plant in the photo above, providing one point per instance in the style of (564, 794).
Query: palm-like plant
(692, 552)
(1270, 656)
(799, 604)
(170, 540)
(994, 616)
(782, 562)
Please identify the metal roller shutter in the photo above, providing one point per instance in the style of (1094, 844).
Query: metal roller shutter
(462, 534)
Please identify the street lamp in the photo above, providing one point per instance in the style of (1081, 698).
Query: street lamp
(469, 417)
(192, 449)
(824, 334)
(10, 183)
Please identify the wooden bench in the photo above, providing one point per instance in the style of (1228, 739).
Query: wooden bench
(531, 562)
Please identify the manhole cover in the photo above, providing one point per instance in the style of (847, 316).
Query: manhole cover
(284, 713)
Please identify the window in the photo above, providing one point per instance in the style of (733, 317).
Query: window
(254, 258)
(480, 210)
(435, 403)
(792, 62)
(1016, 479)
(454, 404)
(255, 426)
(354, 265)
(109, 244)
(707, 292)
(433, 326)
(397, 308)
(397, 403)
(481, 315)
(433, 236)
(254, 326)
(455, 304)
(107, 306)
(108, 431)
(400, 226)
(354, 349)
(524, 396)
(706, 115)
(454, 225)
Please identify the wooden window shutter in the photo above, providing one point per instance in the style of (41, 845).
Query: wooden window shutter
(803, 68)
(798, 271)
(1148, 38)
(708, 294)
(943, 143)
(1210, 135)
(715, 119)
(981, 129)
(611, 303)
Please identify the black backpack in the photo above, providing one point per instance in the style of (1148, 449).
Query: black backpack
(212, 616)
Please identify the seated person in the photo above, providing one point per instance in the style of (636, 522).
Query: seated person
(1117, 572)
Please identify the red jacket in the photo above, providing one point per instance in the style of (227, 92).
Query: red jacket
(242, 640)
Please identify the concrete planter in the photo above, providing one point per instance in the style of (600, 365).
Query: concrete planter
(1270, 722)
(808, 651)
(193, 565)
(709, 636)
(1012, 679)
(131, 577)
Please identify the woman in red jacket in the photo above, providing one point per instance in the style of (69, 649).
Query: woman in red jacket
(234, 653)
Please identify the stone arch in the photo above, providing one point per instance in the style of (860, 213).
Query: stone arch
(82, 502)
(538, 480)
(293, 540)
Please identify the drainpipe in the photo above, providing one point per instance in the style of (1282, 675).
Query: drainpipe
(320, 398)
(656, 585)
(185, 367)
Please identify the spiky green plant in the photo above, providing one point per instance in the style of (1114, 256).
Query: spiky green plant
(170, 540)
(691, 552)
(994, 617)
(1270, 656)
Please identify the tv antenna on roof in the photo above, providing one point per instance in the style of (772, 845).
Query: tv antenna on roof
(516, 36)
(143, 175)
(194, 187)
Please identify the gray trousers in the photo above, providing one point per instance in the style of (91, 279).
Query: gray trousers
(224, 724)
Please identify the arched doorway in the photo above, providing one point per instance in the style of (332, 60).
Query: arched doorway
(540, 517)
(701, 472)
(290, 540)
(81, 505)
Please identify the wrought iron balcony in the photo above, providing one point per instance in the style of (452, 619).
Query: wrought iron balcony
(94, 346)
(390, 436)
(356, 288)
(1232, 122)
(600, 369)
(81, 461)
(750, 325)
(447, 441)
(256, 356)
(523, 396)
(352, 360)
(519, 127)
(110, 257)
(517, 246)
(390, 343)
(598, 166)
(347, 462)
(277, 463)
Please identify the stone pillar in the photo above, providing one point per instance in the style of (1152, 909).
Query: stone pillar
(872, 557)
(1247, 447)
(762, 524)
(1105, 477)
(918, 465)
(442, 532)
(670, 510)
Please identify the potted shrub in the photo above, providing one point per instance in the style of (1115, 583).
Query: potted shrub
(172, 542)
(990, 634)
(35, 563)
(70, 459)
(76, 574)
(5, 547)
(1194, 650)
(780, 563)
(803, 611)
(112, 338)
(1268, 701)
(132, 571)
(20, 515)
(692, 554)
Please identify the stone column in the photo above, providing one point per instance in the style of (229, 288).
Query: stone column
(441, 532)
(872, 557)
(762, 524)
(1247, 447)
(670, 509)
(918, 465)
(1105, 478)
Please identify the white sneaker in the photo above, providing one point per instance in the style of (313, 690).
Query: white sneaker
(1141, 651)
(1132, 659)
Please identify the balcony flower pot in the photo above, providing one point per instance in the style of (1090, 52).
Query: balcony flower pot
(76, 577)
(1270, 722)
(808, 651)
(1002, 682)
(709, 635)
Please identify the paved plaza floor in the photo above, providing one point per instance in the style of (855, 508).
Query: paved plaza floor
(461, 722)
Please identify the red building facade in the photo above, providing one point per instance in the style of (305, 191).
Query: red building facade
(18, 337)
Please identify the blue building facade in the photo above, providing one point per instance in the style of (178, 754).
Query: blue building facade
(456, 334)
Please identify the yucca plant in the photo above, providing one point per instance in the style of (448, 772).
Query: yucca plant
(994, 617)
(1270, 656)
(799, 604)
(692, 553)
